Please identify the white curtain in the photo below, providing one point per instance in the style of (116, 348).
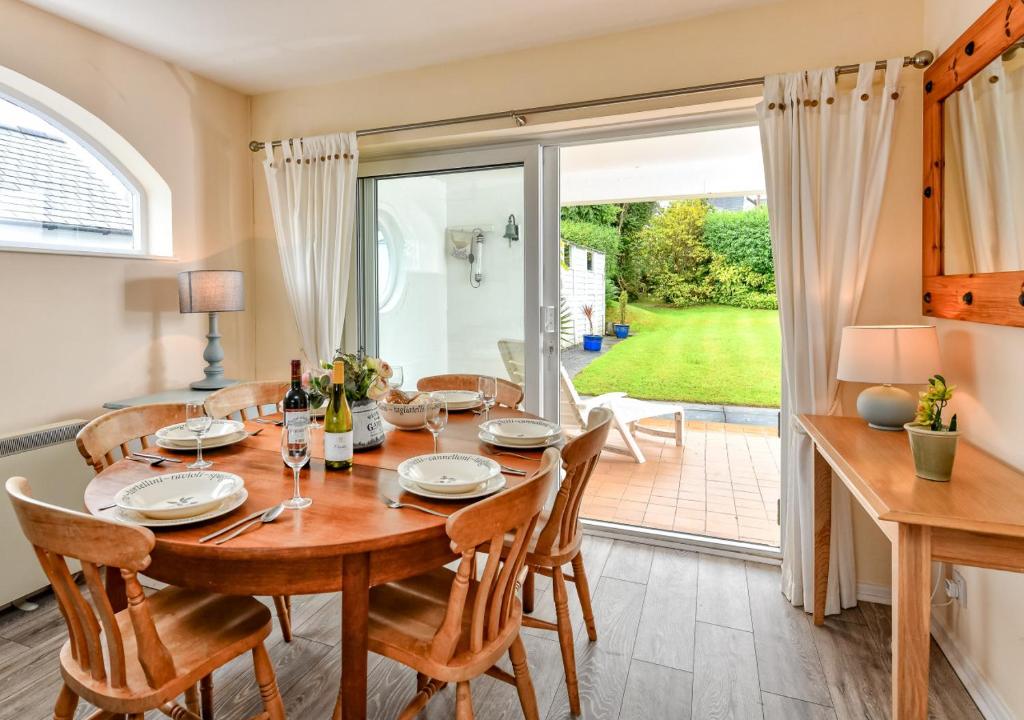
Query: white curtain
(312, 187)
(984, 141)
(826, 152)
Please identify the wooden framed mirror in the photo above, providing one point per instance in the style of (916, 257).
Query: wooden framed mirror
(973, 244)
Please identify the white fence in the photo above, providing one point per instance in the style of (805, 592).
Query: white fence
(583, 284)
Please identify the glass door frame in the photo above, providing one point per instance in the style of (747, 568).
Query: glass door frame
(540, 252)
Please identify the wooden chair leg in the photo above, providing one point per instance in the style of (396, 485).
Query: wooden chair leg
(284, 615)
(268, 683)
(524, 685)
(192, 700)
(579, 573)
(206, 697)
(463, 702)
(528, 591)
(565, 639)
(67, 703)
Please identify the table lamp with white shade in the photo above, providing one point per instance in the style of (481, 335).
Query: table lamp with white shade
(211, 291)
(889, 355)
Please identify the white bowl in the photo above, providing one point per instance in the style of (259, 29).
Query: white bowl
(179, 495)
(410, 416)
(521, 431)
(449, 473)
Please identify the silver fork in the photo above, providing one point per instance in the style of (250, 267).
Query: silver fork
(395, 505)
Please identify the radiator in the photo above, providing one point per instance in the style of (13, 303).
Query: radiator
(47, 456)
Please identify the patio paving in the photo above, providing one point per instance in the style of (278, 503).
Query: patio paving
(723, 482)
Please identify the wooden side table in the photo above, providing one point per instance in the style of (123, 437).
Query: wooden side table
(975, 519)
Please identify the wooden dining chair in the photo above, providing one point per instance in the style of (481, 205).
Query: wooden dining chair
(248, 399)
(509, 394)
(145, 657)
(118, 429)
(454, 626)
(557, 543)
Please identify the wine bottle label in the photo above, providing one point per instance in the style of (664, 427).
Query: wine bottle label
(338, 446)
(295, 423)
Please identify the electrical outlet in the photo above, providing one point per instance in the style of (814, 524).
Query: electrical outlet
(956, 588)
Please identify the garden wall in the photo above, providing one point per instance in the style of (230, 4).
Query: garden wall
(583, 286)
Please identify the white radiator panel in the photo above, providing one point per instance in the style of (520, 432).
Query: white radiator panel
(47, 456)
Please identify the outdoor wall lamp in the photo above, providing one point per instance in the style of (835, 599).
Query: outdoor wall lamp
(511, 230)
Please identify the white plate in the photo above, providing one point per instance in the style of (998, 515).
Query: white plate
(180, 433)
(208, 443)
(178, 495)
(490, 487)
(521, 431)
(449, 473)
(498, 442)
(232, 503)
(459, 399)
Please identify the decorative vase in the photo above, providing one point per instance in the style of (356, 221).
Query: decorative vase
(934, 451)
(367, 428)
(621, 330)
(592, 343)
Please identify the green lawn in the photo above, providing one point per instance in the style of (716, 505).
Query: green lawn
(706, 354)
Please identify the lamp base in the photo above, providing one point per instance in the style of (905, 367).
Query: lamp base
(212, 383)
(886, 407)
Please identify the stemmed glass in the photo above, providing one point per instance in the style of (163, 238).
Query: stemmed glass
(295, 453)
(436, 417)
(198, 423)
(397, 378)
(488, 392)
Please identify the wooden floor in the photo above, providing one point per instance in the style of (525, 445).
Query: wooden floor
(681, 635)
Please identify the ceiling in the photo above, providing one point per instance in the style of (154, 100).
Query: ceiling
(263, 45)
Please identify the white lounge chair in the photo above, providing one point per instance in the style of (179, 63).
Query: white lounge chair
(513, 354)
(627, 413)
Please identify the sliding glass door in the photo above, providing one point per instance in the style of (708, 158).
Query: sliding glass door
(451, 258)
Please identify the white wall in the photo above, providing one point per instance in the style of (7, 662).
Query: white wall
(584, 287)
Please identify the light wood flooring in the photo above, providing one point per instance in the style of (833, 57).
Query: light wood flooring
(681, 635)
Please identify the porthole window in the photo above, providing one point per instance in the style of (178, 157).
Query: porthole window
(57, 193)
(389, 260)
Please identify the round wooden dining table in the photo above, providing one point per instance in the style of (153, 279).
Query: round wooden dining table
(347, 540)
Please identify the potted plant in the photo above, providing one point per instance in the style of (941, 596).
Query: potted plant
(932, 443)
(622, 327)
(591, 342)
(366, 381)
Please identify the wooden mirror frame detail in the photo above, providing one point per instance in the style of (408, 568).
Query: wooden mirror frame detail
(994, 298)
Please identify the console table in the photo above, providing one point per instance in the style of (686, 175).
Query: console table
(178, 395)
(975, 519)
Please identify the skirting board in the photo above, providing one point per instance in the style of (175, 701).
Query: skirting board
(984, 695)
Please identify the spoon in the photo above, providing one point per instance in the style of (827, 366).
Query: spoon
(268, 517)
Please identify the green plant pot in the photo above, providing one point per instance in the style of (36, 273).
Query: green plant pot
(934, 451)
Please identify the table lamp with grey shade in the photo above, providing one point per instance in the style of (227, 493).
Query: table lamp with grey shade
(211, 291)
(889, 355)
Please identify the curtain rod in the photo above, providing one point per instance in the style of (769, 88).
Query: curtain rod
(919, 60)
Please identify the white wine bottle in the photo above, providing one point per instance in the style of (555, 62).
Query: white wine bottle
(338, 423)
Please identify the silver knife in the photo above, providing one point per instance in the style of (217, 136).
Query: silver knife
(157, 457)
(233, 525)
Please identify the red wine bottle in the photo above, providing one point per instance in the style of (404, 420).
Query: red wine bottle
(296, 401)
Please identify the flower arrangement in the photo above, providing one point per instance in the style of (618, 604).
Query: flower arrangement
(365, 378)
(932, 403)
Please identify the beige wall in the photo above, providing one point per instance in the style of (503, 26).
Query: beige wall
(985, 363)
(78, 331)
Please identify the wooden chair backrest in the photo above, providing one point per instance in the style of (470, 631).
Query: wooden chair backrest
(487, 523)
(245, 397)
(569, 391)
(56, 533)
(98, 440)
(509, 394)
(513, 354)
(579, 458)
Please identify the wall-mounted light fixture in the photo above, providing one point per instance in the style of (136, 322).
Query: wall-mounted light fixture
(511, 230)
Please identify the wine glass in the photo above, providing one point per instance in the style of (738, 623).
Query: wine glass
(436, 417)
(198, 423)
(295, 453)
(397, 378)
(488, 387)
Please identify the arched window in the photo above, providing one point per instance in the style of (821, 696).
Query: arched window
(69, 183)
(390, 270)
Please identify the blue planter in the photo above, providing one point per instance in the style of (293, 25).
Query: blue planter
(592, 343)
(621, 331)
